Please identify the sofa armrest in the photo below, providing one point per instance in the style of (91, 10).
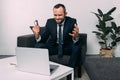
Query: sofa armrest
(26, 41)
(83, 43)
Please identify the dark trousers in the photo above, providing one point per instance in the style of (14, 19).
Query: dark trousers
(71, 49)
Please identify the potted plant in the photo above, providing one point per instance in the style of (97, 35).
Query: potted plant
(108, 32)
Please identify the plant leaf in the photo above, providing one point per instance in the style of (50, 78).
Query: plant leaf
(103, 37)
(111, 10)
(118, 30)
(100, 12)
(97, 26)
(107, 30)
(96, 32)
(113, 37)
(117, 39)
(107, 18)
(114, 26)
(101, 42)
(102, 24)
(113, 43)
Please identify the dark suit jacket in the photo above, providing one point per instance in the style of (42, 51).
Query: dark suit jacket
(51, 31)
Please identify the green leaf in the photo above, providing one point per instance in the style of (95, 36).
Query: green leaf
(100, 12)
(106, 30)
(118, 30)
(111, 11)
(107, 18)
(113, 43)
(103, 37)
(113, 37)
(117, 39)
(102, 24)
(114, 26)
(101, 42)
(96, 32)
(97, 26)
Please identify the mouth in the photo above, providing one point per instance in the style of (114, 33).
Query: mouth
(58, 21)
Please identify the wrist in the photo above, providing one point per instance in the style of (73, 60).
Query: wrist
(76, 38)
(37, 35)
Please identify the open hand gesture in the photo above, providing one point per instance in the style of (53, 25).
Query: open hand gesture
(36, 31)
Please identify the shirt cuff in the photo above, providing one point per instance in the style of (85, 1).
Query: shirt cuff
(75, 39)
(38, 39)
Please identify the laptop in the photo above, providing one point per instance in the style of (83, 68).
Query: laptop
(34, 60)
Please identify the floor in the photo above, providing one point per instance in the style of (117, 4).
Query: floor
(84, 76)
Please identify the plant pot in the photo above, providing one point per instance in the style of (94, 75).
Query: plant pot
(106, 52)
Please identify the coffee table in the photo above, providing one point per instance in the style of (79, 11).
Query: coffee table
(9, 72)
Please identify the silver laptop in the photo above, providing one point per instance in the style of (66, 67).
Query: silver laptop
(34, 60)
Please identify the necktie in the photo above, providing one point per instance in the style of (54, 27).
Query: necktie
(60, 51)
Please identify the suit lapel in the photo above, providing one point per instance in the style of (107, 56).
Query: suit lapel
(54, 29)
(65, 29)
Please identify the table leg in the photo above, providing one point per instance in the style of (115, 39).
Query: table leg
(72, 75)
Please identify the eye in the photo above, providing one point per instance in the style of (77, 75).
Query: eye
(55, 15)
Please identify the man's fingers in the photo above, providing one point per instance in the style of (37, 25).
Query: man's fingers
(36, 29)
(76, 28)
(74, 32)
(75, 25)
(71, 34)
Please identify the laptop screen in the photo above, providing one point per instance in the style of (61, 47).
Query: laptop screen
(34, 60)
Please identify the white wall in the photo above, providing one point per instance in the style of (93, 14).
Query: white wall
(117, 19)
(17, 15)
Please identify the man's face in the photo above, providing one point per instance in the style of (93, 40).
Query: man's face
(59, 14)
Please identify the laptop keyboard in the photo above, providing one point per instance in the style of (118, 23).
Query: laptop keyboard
(53, 67)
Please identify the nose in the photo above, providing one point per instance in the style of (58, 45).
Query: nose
(57, 17)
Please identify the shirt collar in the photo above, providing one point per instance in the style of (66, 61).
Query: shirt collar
(62, 23)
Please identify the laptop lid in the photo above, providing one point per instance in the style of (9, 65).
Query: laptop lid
(34, 60)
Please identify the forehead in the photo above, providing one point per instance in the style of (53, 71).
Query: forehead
(58, 10)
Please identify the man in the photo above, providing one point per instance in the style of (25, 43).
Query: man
(69, 40)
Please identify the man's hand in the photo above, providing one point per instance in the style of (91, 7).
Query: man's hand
(36, 31)
(75, 31)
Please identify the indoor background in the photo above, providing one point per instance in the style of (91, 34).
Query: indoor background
(17, 15)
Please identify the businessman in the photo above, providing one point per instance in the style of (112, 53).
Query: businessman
(63, 33)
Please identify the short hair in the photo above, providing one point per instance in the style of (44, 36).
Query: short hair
(60, 5)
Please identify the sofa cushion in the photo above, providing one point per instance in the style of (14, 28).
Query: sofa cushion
(64, 61)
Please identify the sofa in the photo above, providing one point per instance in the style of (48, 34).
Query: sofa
(29, 41)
